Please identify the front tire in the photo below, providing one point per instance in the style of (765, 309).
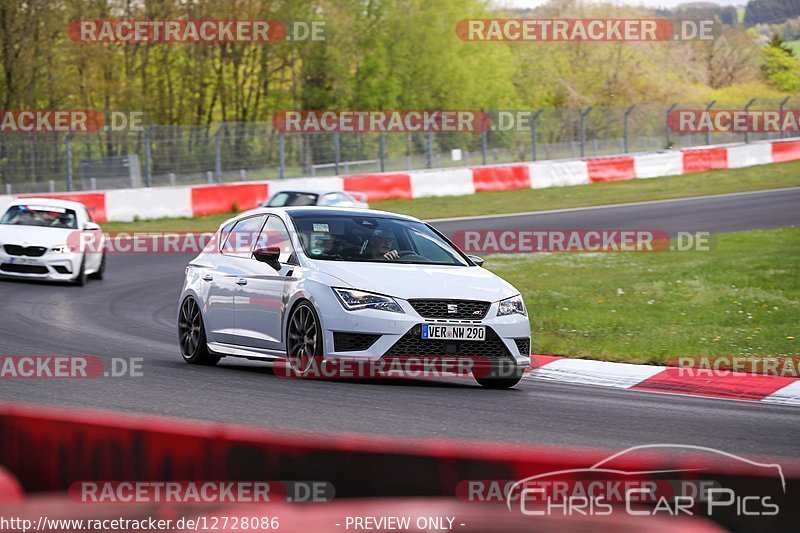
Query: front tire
(304, 340)
(499, 375)
(192, 335)
(80, 279)
(101, 270)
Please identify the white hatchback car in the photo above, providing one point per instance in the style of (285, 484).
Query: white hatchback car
(312, 284)
(44, 238)
(321, 197)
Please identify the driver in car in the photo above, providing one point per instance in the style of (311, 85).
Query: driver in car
(380, 245)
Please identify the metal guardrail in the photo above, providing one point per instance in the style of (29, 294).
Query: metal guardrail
(177, 155)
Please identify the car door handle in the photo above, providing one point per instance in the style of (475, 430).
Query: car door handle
(241, 281)
(208, 277)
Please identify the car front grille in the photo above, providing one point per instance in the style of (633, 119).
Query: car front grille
(454, 309)
(29, 251)
(412, 344)
(353, 342)
(523, 345)
(24, 269)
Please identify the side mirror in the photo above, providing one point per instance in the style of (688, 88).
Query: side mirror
(269, 256)
(477, 260)
(91, 226)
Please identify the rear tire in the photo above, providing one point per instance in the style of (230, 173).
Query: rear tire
(192, 335)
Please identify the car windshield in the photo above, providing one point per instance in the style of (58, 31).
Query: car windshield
(373, 239)
(40, 215)
(287, 198)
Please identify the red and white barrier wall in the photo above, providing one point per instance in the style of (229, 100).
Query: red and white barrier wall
(129, 204)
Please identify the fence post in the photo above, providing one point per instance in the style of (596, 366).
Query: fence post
(625, 127)
(51, 185)
(708, 133)
(218, 154)
(68, 148)
(148, 167)
(783, 103)
(746, 131)
(408, 151)
(382, 151)
(337, 146)
(281, 155)
(485, 137)
(582, 128)
(429, 149)
(666, 122)
(534, 120)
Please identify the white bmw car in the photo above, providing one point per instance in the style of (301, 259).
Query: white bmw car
(44, 238)
(311, 284)
(321, 197)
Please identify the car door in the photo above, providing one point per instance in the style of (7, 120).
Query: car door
(261, 295)
(225, 269)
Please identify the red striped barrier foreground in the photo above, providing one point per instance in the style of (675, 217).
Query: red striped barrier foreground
(697, 382)
(130, 204)
(49, 449)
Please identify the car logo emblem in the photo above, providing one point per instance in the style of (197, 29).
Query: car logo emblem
(452, 309)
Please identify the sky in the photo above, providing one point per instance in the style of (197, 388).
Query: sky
(646, 3)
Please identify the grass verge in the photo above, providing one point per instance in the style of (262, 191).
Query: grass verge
(740, 298)
(486, 203)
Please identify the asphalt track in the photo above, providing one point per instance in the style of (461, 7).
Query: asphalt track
(131, 314)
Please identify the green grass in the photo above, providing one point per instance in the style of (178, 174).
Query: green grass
(740, 298)
(714, 182)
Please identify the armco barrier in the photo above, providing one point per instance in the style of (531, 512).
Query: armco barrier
(611, 169)
(558, 173)
(658, 164)
(501, 178)
(785, 151)
(127, 204)
(48, 449)
(210, 199)
(380, 186)
(701, 160)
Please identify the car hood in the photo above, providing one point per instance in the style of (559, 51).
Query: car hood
(34, 235)
(420, 281)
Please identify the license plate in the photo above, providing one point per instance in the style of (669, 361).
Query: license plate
(454, 333)
(22, 261)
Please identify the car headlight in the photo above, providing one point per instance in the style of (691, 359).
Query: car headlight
(61, 249)
(353, 300)
(512, 305)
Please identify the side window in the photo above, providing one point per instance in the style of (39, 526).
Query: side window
(240, 240)
(275, 235)
(223, 234)
(329, 199)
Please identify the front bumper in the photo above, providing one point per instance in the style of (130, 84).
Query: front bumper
(50, 266)
(399, 334)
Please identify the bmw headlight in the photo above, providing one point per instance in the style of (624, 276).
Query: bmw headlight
(353, 300)
(512, 305)
(60, 249)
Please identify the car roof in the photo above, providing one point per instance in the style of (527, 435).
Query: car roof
(323, 211)
(304, 190)
(49, 202)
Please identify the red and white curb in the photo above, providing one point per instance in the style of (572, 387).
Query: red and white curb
(671, 380)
